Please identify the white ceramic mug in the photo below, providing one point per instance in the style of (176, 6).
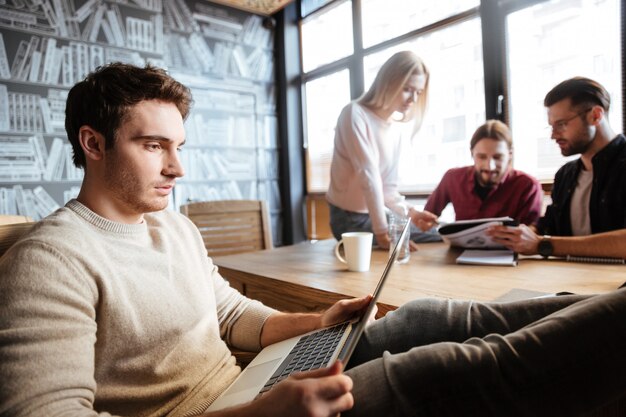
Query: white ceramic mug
(357, 247)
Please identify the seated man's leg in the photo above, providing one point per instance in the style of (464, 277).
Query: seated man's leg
(431, 320)
(567, 363)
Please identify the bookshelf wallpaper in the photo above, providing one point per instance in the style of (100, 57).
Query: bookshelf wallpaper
(224, 55)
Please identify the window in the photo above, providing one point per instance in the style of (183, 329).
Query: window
(530, 46)
(546, 46)
(386, 19)
(325, 97)
(327, 37)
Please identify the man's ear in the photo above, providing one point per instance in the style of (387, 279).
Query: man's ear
(92, 143)
(597, 114)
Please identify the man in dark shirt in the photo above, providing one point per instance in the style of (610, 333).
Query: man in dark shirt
(587, 216)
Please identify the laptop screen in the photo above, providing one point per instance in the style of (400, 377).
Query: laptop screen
(355, 335)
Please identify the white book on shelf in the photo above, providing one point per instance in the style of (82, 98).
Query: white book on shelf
(96, 23)
(33, 45)
(19, 200)
(19, 112)
(5, 118)
(49, 60)
(29, 203)
(158, 33)
(67, 74)
(235, 192)
(5, 69)
(239, 56)
(40, 151)
(88, 27)
(18, 59)
(59, 14)
(70, 194)
(55, 74)
(85, 10)
(50, 15)
(39, 127)
(40, 209)
(31, 112)
(45, 199)
(55, 155)
(35, 67)
(116, 27)
(108, 32)
(202, 51)
(46, 115)
(96, 56)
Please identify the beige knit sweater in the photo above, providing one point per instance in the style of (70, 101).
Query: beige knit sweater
(103, 318)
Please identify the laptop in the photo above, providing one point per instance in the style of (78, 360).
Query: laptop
(313, 350)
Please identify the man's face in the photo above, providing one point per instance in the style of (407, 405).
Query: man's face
(492, 158)
(410, 92)
(141, 169)
(570, 129)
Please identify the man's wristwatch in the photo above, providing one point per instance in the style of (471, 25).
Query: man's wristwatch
(545, 247)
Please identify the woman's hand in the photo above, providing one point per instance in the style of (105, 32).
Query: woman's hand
(382, 240)
(425, 220)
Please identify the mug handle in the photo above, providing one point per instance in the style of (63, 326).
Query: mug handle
(337, 254)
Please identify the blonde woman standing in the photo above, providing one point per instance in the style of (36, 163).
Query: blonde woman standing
(364, 169)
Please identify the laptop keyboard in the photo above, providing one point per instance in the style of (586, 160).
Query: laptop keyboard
(311, 352)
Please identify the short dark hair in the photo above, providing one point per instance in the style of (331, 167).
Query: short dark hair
(103, 98)
(493, 129)
(581, 91)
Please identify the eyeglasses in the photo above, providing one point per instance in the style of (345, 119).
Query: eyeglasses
(560, 125)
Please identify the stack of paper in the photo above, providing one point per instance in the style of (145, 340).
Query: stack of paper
(487, 257)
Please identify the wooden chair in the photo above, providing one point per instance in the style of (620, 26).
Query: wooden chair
(11, 232)
(231, 226)
(14, 218)
(317, 217)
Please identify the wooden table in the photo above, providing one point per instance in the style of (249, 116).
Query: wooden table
(308, 277)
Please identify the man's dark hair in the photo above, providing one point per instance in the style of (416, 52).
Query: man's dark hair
(581, 91)
(103, 100)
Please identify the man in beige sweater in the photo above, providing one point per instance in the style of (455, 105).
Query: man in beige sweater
(110, 306)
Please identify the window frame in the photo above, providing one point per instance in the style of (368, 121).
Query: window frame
(291, 80)
(492, 14)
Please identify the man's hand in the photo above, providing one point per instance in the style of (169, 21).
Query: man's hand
(344, 310)
(320, 393)
(521, 239)
(425, 220)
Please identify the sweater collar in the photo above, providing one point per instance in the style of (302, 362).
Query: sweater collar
(102, 223)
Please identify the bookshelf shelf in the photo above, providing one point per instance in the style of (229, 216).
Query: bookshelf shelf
(224, 55)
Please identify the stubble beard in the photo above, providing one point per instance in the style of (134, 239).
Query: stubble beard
(128, 189)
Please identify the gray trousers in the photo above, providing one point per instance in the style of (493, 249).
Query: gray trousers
(557, 356)
(342, 221)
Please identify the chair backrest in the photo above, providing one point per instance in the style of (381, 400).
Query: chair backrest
(317, 217)
(14, 218)
(231, 226)
(10, 233)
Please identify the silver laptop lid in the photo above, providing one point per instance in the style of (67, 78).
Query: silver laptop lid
(347, 350)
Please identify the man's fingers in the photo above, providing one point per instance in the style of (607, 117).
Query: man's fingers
(334, 386)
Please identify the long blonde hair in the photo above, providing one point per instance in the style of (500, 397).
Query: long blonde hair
(390, 81)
